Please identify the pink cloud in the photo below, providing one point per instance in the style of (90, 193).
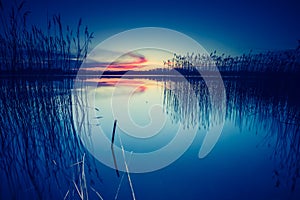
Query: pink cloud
(136, 61)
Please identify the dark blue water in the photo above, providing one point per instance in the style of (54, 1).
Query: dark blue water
(56, 139)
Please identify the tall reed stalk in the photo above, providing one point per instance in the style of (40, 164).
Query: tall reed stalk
(31, 48)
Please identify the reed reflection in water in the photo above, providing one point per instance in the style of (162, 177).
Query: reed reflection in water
(43, 157)
(193, 111)
(41, 154)
(265, 106)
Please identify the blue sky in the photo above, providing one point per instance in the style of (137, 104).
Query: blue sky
(230, 26)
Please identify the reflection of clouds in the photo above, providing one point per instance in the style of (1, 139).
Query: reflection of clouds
(139, 85)
(119, 82)
(141, 88)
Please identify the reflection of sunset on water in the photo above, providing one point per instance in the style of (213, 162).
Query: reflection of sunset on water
(119, 82)
(139, 85)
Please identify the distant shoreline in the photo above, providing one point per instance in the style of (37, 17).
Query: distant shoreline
(142, 74)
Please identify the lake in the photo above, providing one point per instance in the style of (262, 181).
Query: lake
(175, 138)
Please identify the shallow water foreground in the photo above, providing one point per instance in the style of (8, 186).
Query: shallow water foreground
(56, 145)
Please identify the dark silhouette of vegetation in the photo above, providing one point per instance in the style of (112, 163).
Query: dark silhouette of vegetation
(30, 48)
(42, 156)
(40, 145)
(269, 62)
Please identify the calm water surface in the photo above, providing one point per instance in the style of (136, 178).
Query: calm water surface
(55, 139)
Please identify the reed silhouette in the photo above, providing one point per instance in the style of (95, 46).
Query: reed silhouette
(24, 48)
(41, 153)
(286, 61)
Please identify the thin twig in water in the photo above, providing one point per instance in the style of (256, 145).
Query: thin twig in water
(112, 148)
(77, 163)
(80, 195)
(83, 177)
(113, 133)
(97, 193)
(117, 193)
(127, 170)
(121, 181)
(67, 193)
(54, 162)
(115, 161)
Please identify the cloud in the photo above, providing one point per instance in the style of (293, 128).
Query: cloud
(127, 61)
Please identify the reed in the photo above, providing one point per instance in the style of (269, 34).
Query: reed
(267, 62)
(30, 48)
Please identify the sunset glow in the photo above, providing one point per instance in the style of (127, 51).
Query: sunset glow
(129, 61)
(142, 60)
